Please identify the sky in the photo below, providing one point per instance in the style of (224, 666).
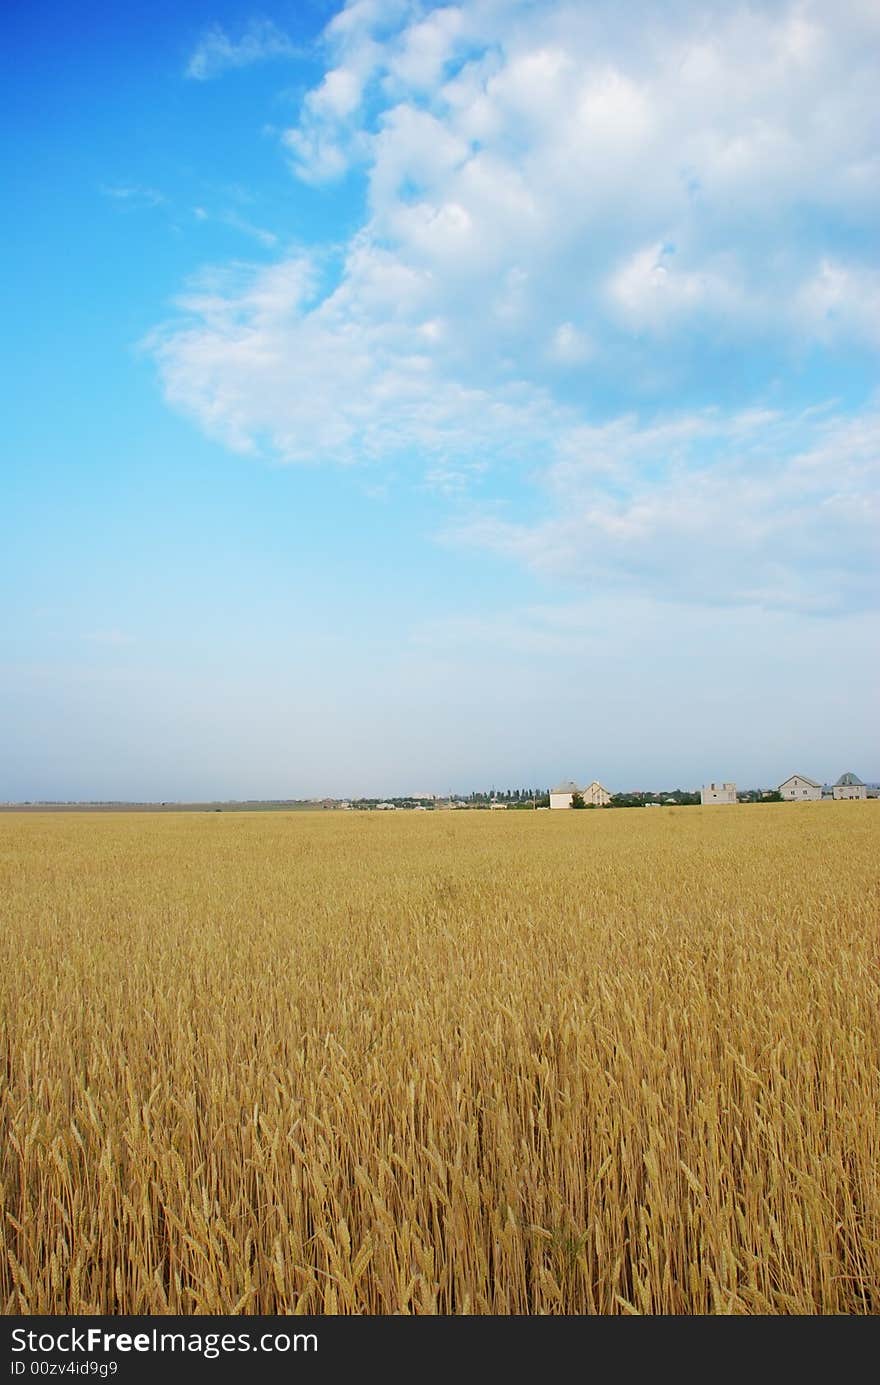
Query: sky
(409, 398)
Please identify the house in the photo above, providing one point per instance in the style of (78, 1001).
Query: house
(561, 796)
(849, 786)
(797, 788)
(595, 794)
(718, 793)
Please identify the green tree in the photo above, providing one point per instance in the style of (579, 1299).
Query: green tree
(577, 800)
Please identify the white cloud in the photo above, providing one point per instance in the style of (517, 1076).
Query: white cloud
(840, 301)
(268, 239)
(569, 346)
(574, 212)
(560, 139)
(567, 184)
(650, 292)
(217, 53)
(750, 509)
(426, 46)
(130, 195)
(263, 359)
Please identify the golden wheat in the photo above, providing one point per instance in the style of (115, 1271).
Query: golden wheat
(441, 1063)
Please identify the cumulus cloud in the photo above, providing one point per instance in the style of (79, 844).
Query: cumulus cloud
(574, 212)
(217, 53)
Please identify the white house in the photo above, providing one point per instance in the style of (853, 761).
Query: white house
(718, 793)
(595, 794)
(849, 786)
(799, 789)
(561, 796)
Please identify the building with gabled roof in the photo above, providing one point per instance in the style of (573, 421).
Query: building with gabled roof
(561, 796)
(849, 786)
(797, 788)
(596, 794)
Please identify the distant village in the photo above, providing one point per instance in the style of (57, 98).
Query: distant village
(797, 788)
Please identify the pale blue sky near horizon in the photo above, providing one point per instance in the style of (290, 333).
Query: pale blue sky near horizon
(403, 397)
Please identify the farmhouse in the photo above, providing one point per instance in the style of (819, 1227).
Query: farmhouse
(594, 793)
(718, 793)
(849, 786)
(798, 788)
(561, 796)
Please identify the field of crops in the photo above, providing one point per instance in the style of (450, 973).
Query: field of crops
(457, 1062)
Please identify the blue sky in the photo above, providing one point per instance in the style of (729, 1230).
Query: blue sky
(405, 398)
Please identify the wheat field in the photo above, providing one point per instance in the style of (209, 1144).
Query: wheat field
(452, 1062)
